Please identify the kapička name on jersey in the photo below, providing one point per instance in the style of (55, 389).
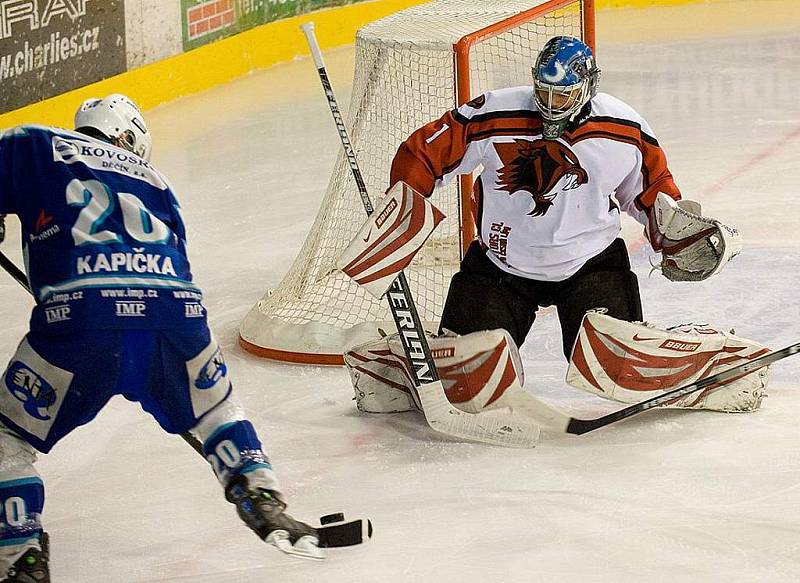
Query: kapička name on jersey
(137, 262)
(105, 157)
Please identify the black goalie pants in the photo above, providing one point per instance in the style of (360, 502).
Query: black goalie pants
(484, 297)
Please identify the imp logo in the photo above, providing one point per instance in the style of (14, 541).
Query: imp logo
(64, 150)
(536, 168)
(27, 387)
(213, 370)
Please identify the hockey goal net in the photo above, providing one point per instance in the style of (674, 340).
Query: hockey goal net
(410, 68)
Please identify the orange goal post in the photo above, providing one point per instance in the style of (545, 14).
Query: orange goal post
(410, 68)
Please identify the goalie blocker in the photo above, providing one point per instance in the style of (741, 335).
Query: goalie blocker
(389, 239)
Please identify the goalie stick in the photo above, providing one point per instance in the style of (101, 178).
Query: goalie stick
(334, 532)
(441, 415)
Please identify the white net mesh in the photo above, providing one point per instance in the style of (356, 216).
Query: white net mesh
(404, 78)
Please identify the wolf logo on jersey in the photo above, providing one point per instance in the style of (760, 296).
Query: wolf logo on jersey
(537, 167)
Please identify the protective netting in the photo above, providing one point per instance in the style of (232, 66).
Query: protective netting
(405, 77)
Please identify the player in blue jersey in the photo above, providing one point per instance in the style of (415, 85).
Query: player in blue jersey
(116, 314)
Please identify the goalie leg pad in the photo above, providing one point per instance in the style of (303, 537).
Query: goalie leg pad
(631, 362)
(476, 371)
(380, 378)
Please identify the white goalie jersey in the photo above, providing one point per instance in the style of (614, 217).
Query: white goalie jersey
(543, 207)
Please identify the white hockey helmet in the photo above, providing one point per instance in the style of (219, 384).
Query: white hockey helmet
(119, 119)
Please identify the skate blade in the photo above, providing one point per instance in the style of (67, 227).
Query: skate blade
(306, 547)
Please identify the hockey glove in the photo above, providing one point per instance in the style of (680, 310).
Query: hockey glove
(264, 513)
(693, 247)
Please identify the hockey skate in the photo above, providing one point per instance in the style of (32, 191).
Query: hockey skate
(32, 567)
(264, 514)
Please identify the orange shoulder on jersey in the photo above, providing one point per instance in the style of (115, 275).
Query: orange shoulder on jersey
(437, 148)
(425, 155)
(656, 177)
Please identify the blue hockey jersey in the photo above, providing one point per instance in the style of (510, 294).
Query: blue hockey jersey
(102, 234)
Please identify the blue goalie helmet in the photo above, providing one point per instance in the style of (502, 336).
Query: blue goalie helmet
(564, 79)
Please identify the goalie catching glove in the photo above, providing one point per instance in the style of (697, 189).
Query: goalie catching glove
(389, 240)
(631, 362)
(693, 247)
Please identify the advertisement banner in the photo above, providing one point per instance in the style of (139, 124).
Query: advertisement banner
(48, 47)
(205, 21)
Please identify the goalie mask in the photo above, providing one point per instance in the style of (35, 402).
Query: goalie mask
(117, 119)
(565, 78)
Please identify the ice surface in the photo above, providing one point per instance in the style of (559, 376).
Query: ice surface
(667, 496)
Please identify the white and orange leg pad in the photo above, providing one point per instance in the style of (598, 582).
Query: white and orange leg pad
(390, 239)
(631, 362)
(477, 371)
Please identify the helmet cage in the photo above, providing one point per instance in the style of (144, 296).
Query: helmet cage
(565, 78)
(559, 102)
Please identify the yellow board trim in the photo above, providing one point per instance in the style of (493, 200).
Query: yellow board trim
(220, 62)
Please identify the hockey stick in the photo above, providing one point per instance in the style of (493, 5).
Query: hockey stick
(441, 415)
(333, 532)
(14, 271)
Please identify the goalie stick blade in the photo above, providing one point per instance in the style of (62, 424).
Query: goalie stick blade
(504, 429)
(581, 426)
(345, 534)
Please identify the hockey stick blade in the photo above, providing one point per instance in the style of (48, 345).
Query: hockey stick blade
(344, 534)
(581, 426)
(500, 429)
